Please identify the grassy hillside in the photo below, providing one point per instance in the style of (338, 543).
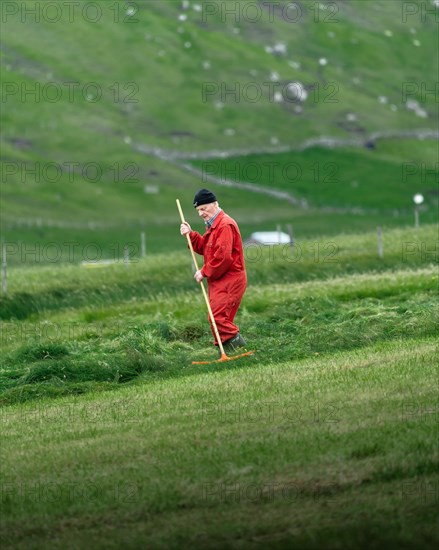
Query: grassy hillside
(372, 182)
(329, 451)
(326, 437)
(70, 329)
(117, 101)
(150, 52)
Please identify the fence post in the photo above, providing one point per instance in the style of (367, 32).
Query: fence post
(278, 229)
(416, 216)
(142, 244)
(126, 256)
(380, 242)
(290, 232)
(4, 270)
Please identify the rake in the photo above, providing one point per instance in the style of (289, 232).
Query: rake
(223, 357)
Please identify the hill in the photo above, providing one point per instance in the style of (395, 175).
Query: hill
(320, 115)
(327, 436)
(103, 112)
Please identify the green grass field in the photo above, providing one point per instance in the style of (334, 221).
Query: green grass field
(325, 438)
(326, 452)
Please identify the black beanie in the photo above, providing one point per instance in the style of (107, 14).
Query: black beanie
(204, 196)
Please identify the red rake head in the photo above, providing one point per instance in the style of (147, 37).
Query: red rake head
(223, 358)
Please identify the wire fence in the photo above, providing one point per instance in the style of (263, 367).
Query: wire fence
(90, 224)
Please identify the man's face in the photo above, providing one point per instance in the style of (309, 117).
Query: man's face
(206, 211)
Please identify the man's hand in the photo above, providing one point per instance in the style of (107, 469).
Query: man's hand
(185, 229)
(198, 276)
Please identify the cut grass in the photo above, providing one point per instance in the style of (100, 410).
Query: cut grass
(288, 321)
(326, 437)
(33, 292)
(321, 452)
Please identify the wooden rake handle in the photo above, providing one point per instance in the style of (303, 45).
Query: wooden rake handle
(209, 309)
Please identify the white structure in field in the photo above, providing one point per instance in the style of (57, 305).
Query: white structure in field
(268, 238)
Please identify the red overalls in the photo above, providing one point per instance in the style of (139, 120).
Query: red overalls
(224, 268)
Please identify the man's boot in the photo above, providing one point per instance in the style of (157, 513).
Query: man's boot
(234, 343)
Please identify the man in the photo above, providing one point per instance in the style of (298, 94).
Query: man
(224, 267)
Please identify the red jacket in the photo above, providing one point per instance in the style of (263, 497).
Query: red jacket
(221, 246)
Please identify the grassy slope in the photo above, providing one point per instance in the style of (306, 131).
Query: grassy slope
(71, 330)
(326, 437)
(169, 101)
(381, 63)
(34, 290)
(354, 178)
(335, 450)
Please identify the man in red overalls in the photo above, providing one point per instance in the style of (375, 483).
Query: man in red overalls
(224, 267)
